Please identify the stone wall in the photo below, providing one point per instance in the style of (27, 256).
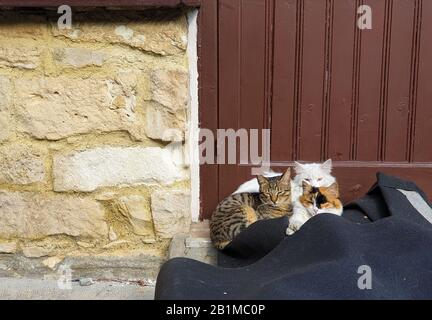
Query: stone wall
(87, 173)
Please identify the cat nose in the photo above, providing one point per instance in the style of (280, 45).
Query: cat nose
(273, 199)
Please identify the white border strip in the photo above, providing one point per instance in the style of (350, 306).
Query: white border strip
(418, 203)
(192, 54)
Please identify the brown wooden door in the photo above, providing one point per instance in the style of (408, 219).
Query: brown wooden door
(325, 88)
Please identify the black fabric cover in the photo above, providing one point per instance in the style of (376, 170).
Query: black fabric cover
(320, 261)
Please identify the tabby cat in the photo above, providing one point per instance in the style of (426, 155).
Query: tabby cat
(313, 201)
(238, 211)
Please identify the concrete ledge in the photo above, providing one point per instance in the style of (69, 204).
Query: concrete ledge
(97, 267)
(32, 289)
(196, 245)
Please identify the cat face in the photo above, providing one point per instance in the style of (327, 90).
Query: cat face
(275, 191)
(316, 174)
(319, 199)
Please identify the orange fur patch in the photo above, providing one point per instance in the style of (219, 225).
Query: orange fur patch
(331, 194)
(251, 216)
(332, 197)
(306, 200)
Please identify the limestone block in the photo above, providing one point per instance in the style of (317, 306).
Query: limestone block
(171, 212)
(31, 215)
(115, 166)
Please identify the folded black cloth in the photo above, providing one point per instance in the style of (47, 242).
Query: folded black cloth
(388, 232)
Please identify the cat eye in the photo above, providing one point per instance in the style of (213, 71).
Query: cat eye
(319, 179)
(308, 180)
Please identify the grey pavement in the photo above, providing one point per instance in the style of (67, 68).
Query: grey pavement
(35, 289)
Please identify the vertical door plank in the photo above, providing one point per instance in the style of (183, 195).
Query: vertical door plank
(230, 61)
(242, 63)
(422, 151)
(253, 64)
(208, 96)
(312, 86)
(400, 69)
(284, 80)
(371, 63)
(341, 97)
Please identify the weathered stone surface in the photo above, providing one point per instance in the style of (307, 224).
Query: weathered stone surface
(137, 211)
(5, 105)
(126, 266)
(167, 120)
(56, 108)
(112, 236)
(93, 87)
(20, 57)
(157, 37)
(29, 215)
(84, 282)
(8, 247)
(171, 212)
(177, 247)
(21, 165)
(79, 57)
(115, 166)
(85, 244)
(52, 262)
(35, 251)
(50, 288)
(170, 88)
(22, 25)
(164, 125)
(134, 264)
(117, 244)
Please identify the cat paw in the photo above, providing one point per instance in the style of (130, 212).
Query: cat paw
(292, 228)
(289, 231)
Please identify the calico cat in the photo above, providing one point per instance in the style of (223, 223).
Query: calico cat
(313, 201)
(238, 211)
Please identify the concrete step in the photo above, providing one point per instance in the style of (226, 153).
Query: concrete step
(195, 245)
(52, 289)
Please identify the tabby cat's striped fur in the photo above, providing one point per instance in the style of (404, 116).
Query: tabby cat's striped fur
(238, 211)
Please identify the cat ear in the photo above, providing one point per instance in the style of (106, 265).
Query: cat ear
(298, 167)
(306, 187)
(327, 166)
(333, 190)
(262, 180)
(286, 177)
